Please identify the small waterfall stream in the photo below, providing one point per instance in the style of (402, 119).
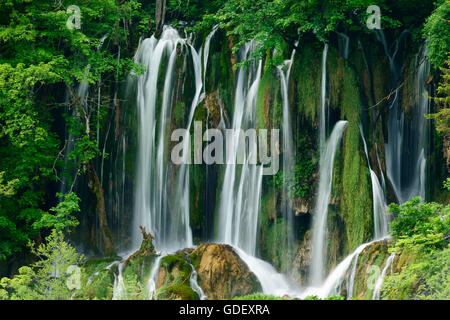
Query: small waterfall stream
(380, 218)
(318, 257)
(288, 154)
(377, 290)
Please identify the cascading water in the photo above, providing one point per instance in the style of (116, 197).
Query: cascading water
(377, 289)
(404, 190)
(327, 154)
(241, 189)
(151, 208)
(333, 283)
(288, 153)
(206, 53)
(194, 284)
(407, 139)
(323, 99)
(153, 277)
(380, 218)
(318, 261)
(344, 44)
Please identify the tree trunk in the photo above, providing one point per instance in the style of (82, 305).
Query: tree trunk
(95, 185)
(160, 15)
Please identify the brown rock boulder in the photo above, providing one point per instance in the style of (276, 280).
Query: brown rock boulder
(221, 273)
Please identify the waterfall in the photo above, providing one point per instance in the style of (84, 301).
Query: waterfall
(407, 138)
(344, 44)
(151, 204)
(380, 218)
(323, 93)
(194, 284)
(334, 281)
(206, 53)
(183, 206)
(317, 267)
(377, 290)
(288, 154)
(272, 282)
(241, 189)
(153, 278)
(119, 284)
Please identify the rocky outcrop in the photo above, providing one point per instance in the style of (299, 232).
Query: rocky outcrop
(143, 258)
(302, 261)
(221, 273)
(301, 206)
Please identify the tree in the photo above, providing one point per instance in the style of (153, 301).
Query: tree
(40, 57)
(50, 277)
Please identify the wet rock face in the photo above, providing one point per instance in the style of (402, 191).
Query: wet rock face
(221, 273)
(301, 206)
(301, 261)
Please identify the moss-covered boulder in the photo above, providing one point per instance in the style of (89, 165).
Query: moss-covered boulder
(221, 273)
(371, 262)
(98, 279)
(173, 281)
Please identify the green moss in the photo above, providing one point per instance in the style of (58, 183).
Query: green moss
(306, 74)
(178, 112)
(94, 265)
(258, 296)
(169, 262)
(177, 292)
(176, 283)
(353, 177)
(267, 102)
(101, 287)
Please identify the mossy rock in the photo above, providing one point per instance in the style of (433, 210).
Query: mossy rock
(176, 292)
(173, 281)
(101, 286)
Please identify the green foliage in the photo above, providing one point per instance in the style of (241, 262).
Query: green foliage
(274, 23)
(63, 214)
(442, 117)
(298, 182)
(258, 296)
(426, 278)
(132, 288)
(49, 277)
(7, 190)
(436, 30)
(420, 226)
(329, 298)
(421, 232)
(39, 58)
(447, 184)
